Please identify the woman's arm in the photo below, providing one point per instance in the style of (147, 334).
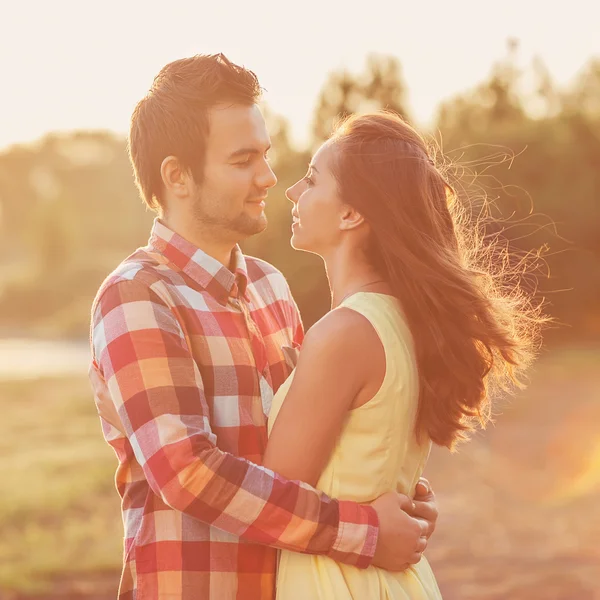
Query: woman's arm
(341, 358)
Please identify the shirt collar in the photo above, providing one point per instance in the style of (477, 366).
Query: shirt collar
(205, 270)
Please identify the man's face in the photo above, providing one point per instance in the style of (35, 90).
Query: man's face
(231, 198)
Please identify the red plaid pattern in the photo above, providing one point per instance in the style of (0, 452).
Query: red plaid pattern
(186, 357)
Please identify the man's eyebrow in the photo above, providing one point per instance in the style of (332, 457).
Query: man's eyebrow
(249, 150)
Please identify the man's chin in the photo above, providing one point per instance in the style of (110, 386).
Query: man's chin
(251, 225)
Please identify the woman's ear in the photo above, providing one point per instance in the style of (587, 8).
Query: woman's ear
(175, 179)
(351, 218)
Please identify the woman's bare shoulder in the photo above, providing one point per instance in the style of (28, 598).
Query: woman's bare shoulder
(344, 331)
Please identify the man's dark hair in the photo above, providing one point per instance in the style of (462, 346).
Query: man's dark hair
(172, 119)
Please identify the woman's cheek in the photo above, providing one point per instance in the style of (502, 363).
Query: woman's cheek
(303, 206)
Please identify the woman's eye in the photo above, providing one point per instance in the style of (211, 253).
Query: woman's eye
(309, 181)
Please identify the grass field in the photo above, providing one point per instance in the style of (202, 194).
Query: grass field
(519, 504)
(59, 512)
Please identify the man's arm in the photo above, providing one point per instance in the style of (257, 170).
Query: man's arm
(156, 389)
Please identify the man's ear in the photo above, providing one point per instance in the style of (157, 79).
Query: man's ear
(351, 218)
(175, 179)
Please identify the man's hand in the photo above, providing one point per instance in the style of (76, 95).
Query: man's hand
(425, 506)
(402, 538)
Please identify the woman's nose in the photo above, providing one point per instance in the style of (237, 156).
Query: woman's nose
(290, 194)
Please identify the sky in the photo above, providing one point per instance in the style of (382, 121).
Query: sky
(84, 65)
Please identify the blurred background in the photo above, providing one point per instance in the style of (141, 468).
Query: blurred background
(510, 90)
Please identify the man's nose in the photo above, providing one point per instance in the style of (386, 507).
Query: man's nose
(267, 178)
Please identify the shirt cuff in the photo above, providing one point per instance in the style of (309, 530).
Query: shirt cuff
(357, 535)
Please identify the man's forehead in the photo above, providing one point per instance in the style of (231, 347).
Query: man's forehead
(234, 126)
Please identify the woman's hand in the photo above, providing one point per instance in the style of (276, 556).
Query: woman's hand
(401, 541)
(425, 505)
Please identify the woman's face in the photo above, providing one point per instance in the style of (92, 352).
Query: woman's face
(318, 209)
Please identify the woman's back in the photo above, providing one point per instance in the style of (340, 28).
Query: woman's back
(377, 451)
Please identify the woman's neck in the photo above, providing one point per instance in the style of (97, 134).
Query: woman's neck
(348, 272)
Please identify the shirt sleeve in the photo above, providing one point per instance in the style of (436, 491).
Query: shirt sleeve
(156, 388)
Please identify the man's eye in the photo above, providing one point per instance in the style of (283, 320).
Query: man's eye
(243, 162)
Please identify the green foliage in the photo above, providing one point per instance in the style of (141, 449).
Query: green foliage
(70, 210)
(381, 86)
(59, 510)
(539, 163)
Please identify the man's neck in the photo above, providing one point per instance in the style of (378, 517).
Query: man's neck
(219, 250)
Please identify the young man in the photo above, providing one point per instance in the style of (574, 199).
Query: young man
(187, 342)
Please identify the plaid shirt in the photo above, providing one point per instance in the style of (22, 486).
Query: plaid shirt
(186, 358)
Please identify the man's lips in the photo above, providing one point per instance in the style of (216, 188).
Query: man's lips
(261, 202)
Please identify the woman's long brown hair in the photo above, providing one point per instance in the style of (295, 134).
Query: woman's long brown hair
(474, 328)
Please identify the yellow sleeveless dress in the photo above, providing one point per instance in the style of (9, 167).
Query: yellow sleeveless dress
(376, 452)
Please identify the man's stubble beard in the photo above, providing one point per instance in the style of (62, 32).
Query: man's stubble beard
(242, 226)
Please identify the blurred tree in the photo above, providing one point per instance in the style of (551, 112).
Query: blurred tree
(18, 198)
(52, 238)
(546, 94)
(539, 163)
(70, 199)
(380, 86)
(494, 104)
(584, 95)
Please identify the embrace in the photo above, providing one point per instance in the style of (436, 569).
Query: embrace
(256, 461)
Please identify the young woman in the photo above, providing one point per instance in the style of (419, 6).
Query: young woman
(419, 331)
